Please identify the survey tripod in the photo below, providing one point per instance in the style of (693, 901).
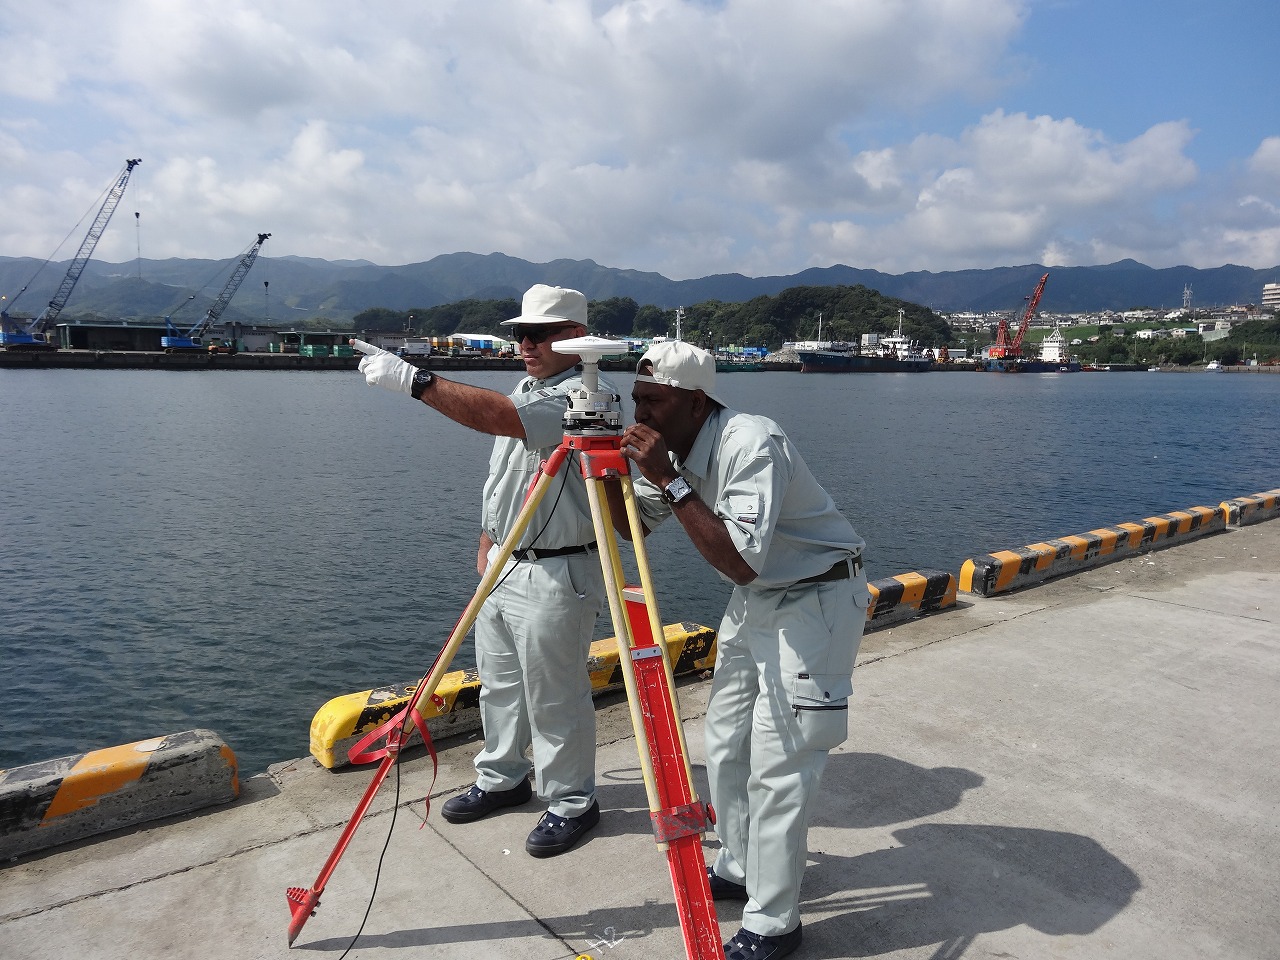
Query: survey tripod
(592, 430)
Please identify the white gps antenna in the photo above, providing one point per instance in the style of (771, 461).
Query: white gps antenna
(590, 410)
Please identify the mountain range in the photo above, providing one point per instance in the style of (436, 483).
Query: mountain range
(284, 290)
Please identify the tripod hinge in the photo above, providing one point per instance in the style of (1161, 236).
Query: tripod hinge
(687, 820)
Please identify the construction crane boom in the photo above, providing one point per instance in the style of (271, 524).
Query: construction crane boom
(191, 339)
(229, 291)
(33, 335)
(1011, 348)
(1027, 316)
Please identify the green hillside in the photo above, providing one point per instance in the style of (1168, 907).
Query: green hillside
(768, 321)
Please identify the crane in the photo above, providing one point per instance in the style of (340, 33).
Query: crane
(33, 336)
(1008, 349)
(174, 340)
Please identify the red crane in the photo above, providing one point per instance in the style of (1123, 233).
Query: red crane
(1004, 348)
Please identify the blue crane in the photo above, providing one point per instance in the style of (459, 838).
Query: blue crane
(34, 335)
(175, 340)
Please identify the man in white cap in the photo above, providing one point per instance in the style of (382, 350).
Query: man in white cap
(788, 639)
(533, 634)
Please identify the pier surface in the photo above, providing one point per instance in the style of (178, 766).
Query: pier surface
(1082, 769)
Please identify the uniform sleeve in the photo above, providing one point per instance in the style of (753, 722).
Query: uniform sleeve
(653, 506)
(750, 498)
(541, 412)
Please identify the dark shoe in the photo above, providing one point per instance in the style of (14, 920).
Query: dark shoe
(722, 889)
(746, 945)
(555, 835)
(477, 803)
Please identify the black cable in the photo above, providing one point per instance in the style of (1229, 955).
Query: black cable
(404, 727)
(377, 874)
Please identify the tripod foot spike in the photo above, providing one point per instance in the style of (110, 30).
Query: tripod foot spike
(302, 907)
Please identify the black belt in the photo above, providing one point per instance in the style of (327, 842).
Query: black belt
(838, 571)
(545, 553)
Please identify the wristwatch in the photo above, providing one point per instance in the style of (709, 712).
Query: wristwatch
(421, 380)
(677, 490)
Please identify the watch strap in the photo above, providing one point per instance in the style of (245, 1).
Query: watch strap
(421, 380)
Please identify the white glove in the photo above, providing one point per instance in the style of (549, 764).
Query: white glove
(383, 369)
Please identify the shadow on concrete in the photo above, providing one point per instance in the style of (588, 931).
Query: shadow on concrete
(863, 790)
(601, 929)
(943, 885)
(948, 883)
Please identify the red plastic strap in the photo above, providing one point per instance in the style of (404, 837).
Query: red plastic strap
(392, 729)
(395, 735)
(358, 754)
(435, 762)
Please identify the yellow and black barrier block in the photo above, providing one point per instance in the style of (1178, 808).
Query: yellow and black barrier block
(906, 596)
(1243, 511)
(1013, 569)
(71, 798)
(340, 723)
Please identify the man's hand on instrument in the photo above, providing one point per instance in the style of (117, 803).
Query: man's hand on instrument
(645, 447)
(384, 369)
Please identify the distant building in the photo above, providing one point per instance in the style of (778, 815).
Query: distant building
(1271, 296)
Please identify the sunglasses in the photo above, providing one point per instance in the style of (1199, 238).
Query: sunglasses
(537, 334)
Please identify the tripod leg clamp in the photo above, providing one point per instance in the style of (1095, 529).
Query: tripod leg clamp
(688, 820)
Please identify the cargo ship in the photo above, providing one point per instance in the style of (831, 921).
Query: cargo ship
(842, 358)
(890, 354)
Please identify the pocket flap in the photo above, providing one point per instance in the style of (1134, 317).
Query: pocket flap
(829, 688)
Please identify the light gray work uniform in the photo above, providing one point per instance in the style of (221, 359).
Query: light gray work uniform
(533, 634)
(786, 649)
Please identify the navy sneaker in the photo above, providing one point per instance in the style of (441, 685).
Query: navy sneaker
(722, 889)
(746, 945)
(477, 803)
(554, 835)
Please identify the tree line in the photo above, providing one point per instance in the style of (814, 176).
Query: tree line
(846, 313)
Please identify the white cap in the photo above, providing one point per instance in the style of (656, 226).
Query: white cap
(544, 304)
(679, 364)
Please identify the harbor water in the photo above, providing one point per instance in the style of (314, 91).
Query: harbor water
(229, 550)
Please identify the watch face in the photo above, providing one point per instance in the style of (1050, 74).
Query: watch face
(678, 489)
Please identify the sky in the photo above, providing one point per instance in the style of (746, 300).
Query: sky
(684, 137)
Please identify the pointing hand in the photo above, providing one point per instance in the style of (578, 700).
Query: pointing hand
(384, 369)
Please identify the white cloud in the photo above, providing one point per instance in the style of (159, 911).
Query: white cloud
(1265, 161)
(757, 136)
(1012, 189)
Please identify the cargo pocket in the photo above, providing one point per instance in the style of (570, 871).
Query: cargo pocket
(820, 704)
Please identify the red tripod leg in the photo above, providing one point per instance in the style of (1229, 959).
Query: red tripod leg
(682, 818)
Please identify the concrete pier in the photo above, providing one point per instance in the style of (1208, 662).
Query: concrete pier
(1084, 768)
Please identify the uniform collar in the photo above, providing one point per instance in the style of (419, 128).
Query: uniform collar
(699, 460)
(532, 383)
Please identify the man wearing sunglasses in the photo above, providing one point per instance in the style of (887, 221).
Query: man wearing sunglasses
(533, 634)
